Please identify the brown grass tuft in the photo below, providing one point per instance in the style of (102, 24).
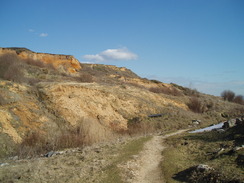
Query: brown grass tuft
(85, 78)
(165, 90)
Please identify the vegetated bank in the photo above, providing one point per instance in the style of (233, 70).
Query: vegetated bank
(96, 163)
(50, 102)
(214, 156)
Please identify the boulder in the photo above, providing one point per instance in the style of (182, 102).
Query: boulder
(49, 154)
(196, 122)
(203, 168)
(230, 123)
(239, 121)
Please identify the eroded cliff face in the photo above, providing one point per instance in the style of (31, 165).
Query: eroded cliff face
(66, 62)
(110, 105)
(21, 111)
(50, 105)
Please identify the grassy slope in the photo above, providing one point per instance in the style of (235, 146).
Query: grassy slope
(189, 150)
(92, 164)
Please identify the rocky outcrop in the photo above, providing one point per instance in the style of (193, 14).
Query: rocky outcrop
(65, 62)
(233, 122)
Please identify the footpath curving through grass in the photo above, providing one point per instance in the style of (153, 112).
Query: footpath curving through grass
(112, 172)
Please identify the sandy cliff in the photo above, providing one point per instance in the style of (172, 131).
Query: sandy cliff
(67, 62)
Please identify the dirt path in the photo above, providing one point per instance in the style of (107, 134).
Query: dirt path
(145, 168)
(86, 165)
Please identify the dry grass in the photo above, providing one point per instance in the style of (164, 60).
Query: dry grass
(187, 151)
(85, 78)
(165, 90)
(139, 126)
(84, 133)
(187, 91)
(2, 100)
(112, 172)
(33, 62)
(36, 143)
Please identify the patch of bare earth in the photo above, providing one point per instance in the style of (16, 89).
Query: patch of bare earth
(145, 168)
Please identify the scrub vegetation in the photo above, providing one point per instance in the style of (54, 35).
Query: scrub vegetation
(221, 152)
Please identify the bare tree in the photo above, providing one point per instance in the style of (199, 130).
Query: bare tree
(228, 95)
(239, 99)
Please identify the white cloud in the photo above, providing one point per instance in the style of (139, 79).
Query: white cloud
(43, 35)
(112, 55)
(97, 58)
(31, 30)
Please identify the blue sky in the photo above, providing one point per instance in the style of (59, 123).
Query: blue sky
(194, 43)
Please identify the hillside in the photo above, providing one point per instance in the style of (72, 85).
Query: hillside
(48, 95)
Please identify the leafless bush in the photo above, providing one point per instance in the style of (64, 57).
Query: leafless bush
(239, 99)
(15, 73)
(33, 62)
(70, 138)
(165, 90)
(37, 143)
(228, 95)
(137, 126)
(6, 61)
(2, 100)
(85, 78)
(136, 85)
(196, 105)
(187, 91)
(11, 68)
(84, 133)
(155, 81)
(33, 144)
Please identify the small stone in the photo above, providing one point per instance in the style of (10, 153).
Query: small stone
(203, 168)
(49, 154)
(3, 164)
(97, 150)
